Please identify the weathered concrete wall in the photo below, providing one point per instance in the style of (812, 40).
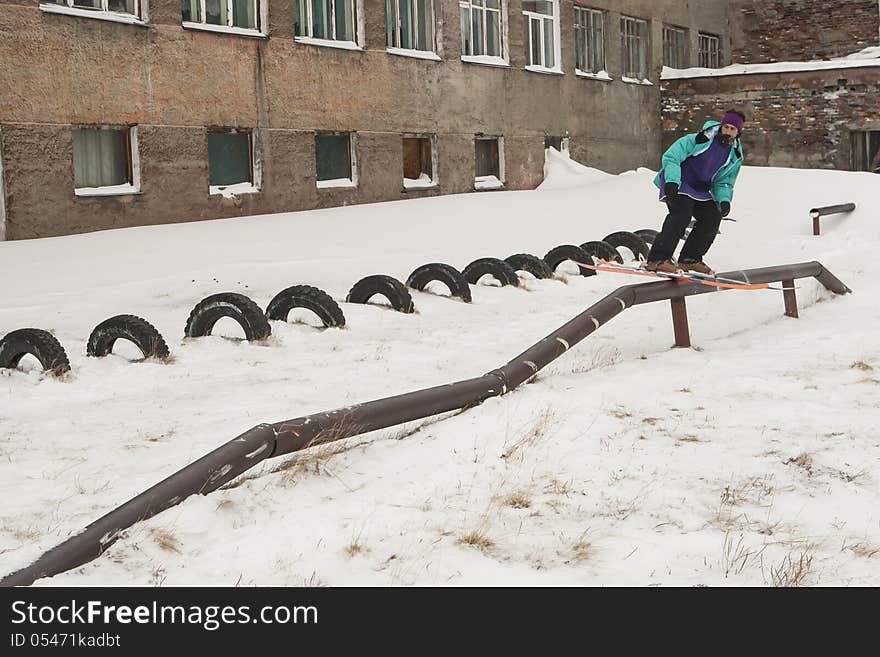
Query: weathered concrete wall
(175, 83)
(800, 120)
(802, 30)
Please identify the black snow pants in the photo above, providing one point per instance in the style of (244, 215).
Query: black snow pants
(681, 209)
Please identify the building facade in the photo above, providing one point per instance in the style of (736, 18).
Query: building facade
(118, 113)
(810, 90)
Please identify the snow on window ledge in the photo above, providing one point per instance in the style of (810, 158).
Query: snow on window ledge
(546, 71)
(422, 182)
(225, 29)
(601, 75)
(487, 182)
(328, 43)
(109, 190)
(231, 191)
(112, 16)
(417, 54)
(337, 182)
(485, 60)
(646, 82)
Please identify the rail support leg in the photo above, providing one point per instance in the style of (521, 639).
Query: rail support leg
(790, 299)
(680, 322)
(815, 224)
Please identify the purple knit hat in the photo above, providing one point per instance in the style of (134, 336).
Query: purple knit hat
(733, 119)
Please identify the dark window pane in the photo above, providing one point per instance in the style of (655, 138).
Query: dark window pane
(332, 157)
(486, 157)
(229, 158)
(100, 158)
(190, 10)
(244, 14)
(417, 157)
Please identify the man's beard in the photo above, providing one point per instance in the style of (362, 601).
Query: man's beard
(724, 140)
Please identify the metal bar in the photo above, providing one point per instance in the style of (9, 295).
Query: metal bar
(816, 224)
(832, 209)
(264, 441)
(680, 322)
(791, 309)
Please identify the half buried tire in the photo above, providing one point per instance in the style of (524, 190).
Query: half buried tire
(128, 327)
(647, 234)
(560, 254)
(629, 241)
(37, 342)
(388, 286)
(531, 264)
(602, 251)
(500, 270)
(446, 274)
(311, 298)
(209, 310)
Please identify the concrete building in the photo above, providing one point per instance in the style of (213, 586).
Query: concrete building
(810, 102)
(120, 113)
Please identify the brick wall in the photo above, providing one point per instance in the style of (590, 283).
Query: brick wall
(801, 120)
(802, 30)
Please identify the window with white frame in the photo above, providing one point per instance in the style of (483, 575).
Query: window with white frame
(710, 51)
(674, 47)
(130, 7)
(589, 40)
(228, 13)
(865, 150)
(542, 33)
(333, 20)
(480, 27)
(105, 161)
(418, 162)
(634, 47)
(409, 24)
(335, 161)
(488, 162)
(231, 161)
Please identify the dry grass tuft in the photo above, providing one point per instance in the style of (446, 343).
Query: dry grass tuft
(619, 412)
(517, 500)
(166, 540)
(861, 365)
(792, 572)
(557, 487)
(478, 539)
(602, 356)
(803, 461)
(735, 555)
(582, 548)
(355, 548)
(863, 550)
(545, 420)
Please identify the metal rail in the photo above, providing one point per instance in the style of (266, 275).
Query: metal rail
(815, 213)
(269, 440)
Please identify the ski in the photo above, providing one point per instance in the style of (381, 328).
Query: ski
(723, 283)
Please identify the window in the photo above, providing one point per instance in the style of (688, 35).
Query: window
(542, 33)
(335, 162)
(865, 151)
(589, 40)
(480, 27)
(488, 162)
(710, 51)
(231, 162)
(126, 11)
(105, 161)
(409, 24)
(332, 20)
(634, 47)
(225, 13)
(674, 47)
(418, 162)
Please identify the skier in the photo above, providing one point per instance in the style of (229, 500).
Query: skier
(696, 180)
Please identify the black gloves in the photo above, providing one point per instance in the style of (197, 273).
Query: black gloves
(725, 208)
(671, 191)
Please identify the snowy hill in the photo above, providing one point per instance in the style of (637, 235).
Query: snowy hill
(753, 459)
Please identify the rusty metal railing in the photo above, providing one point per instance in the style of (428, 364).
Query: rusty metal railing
(815, 213)
(270, 440)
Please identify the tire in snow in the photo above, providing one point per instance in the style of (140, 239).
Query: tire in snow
(446, 274)
(388, 286)
(128, 327)
(310, 298)
(564, 252)
(629, 241)
(38, 343)
(243, 310)
(647, 234)
(531, 264)
(602, 250)
(502, 271)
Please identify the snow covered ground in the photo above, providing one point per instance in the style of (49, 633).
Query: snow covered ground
(752, 459)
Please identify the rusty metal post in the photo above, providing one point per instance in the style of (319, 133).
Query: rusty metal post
(680, 322)
(790, 299)
(815, 216)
